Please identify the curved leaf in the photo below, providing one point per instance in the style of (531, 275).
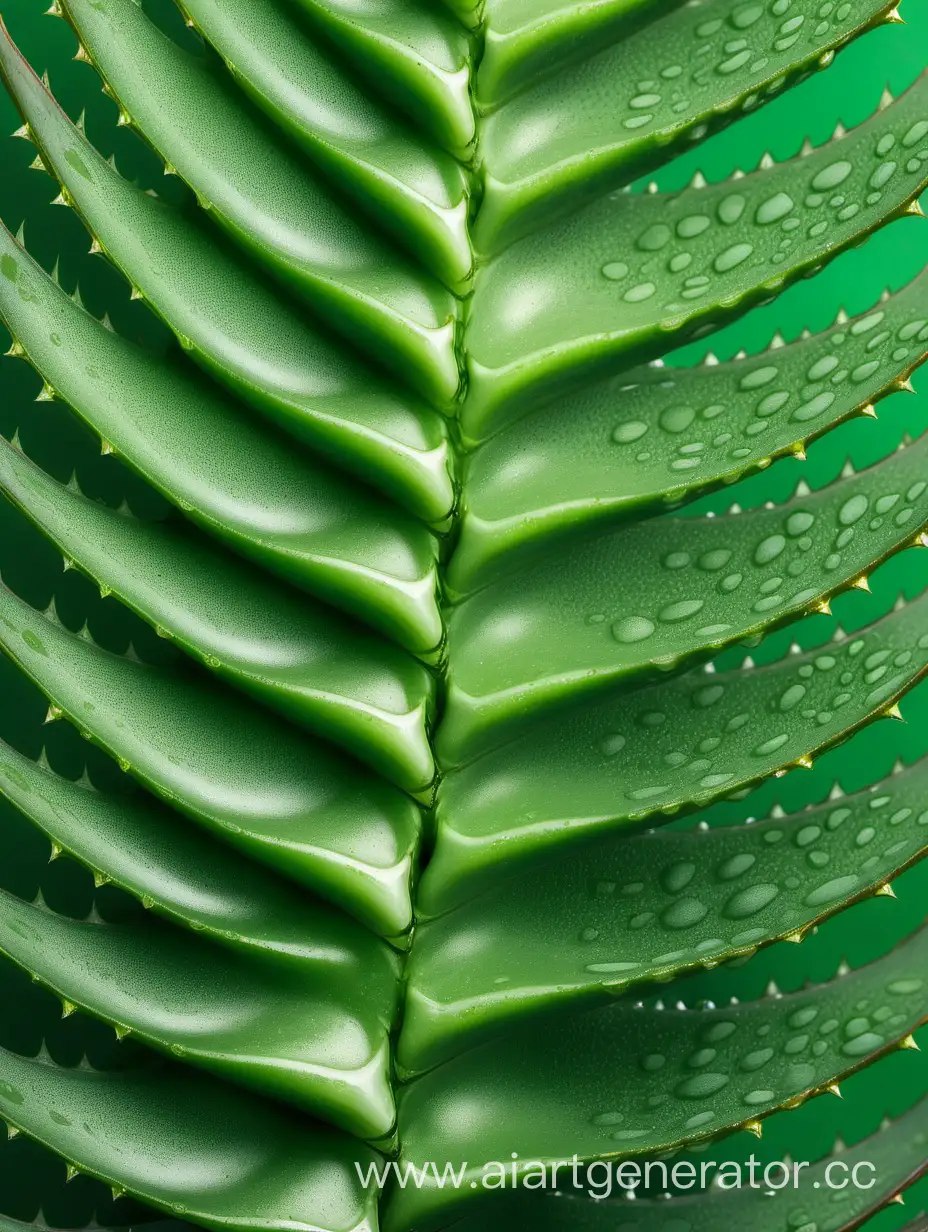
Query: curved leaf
(272, 205)
(410, 188)
(232, 323)
(630, 1080)
(285, 800)
(357, 691)
(524, 39)
(820, 1195)
(657, 437)
(626, 911)
(179, 872)
(247, 487)
(697, 68)
(421, 60)
(672, 746)
(318, 1039)
(651, 596)
(635, 275)
(191, 1146)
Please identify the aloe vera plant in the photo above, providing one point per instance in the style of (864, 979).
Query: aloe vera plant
(414, 631)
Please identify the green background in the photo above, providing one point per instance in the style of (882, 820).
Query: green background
(848, 92)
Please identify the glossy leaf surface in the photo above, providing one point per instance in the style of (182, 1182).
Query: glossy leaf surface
(383, 857)
(654, 438)
(190, 1146)
(651, 908)
(893, 1157)
(707, 735)
(293, 805)
(177, 871)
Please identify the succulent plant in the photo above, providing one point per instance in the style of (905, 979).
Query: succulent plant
(417, 647)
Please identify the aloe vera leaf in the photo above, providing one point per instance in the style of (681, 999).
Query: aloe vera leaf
(626, 911)
(629, 1080)
(233, 323)
(893, 1158)
(704, 66)
(651, 597)
(638, 274)
(177, 871)
(286, 800)
(657, 437)
(468, 12)
(272, 205)
(318, 1040)
(191, 1145)
(406, 185)
(355, 690)
(525, 39)
(247, 487)
(675, 745)
(420, 60)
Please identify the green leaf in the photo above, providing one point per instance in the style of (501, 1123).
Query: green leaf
(287, 801)
(650, 597)
(247, 487)
(234, 324)
(630, 1080)
(653, 907)
(634, 275)
(668, 86)
(677, 745)
(403, 183)
(316, 1038)
(819, 1195)
(272, 205)
(192, 1146)
(420, 59)
(181, 873)
(525, 39)
(348, 687)
(654, 438)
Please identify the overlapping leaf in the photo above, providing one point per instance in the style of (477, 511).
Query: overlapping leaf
(642, 1080)
(623, 912)
(282, 799)
(396, 427)
(685, 743)
(893, 1158)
